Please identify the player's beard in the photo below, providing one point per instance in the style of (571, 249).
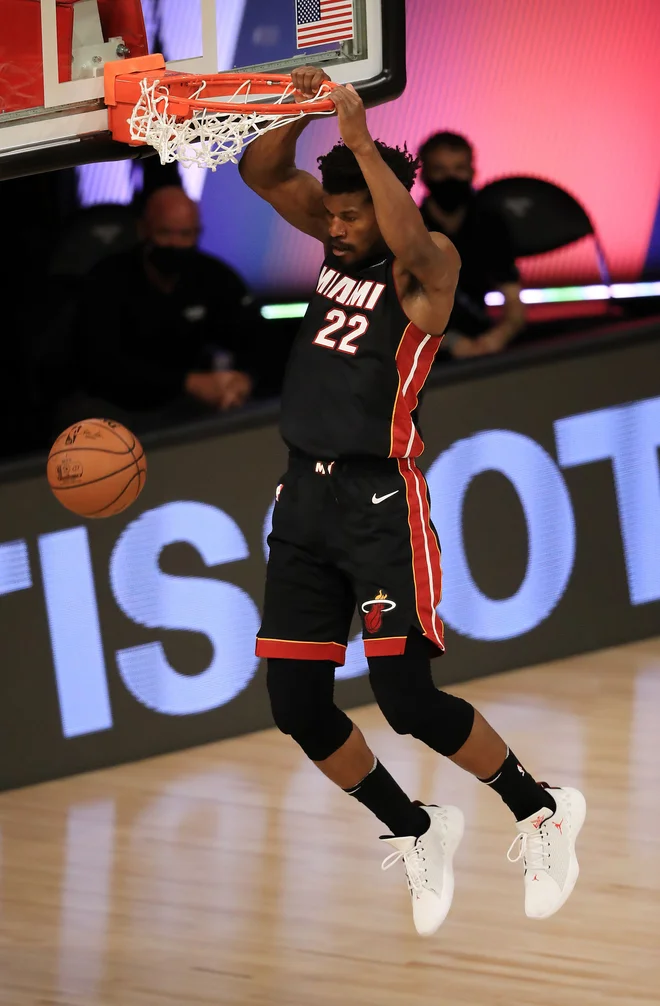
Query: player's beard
(376, 251)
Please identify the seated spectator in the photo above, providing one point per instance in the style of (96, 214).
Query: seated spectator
(162, 332)
(482, 240)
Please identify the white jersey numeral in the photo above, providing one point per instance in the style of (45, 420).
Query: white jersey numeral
(359, 323)
(337, 320)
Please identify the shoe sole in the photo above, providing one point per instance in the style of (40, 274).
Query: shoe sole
(454, 839)
(579, 810)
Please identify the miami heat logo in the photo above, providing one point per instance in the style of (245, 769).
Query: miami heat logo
(374, 611)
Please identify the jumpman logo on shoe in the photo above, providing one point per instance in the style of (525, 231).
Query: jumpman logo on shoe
(550, 866)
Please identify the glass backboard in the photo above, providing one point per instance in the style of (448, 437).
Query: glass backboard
(52, 55)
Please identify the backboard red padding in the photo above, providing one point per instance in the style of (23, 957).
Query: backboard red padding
(21, 63)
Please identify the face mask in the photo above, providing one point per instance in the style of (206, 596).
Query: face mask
(450, 193)
(171, 261)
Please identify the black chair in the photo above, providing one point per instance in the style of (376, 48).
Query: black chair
(541, 217)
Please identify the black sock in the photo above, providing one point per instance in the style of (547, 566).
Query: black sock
(522, 794)
(384, 797)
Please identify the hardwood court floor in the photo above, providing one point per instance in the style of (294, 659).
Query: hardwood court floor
(235, 874)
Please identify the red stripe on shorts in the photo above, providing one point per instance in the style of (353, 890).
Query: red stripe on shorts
(294, 649)
(427, 569)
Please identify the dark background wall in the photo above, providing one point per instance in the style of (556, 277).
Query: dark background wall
(124, 638)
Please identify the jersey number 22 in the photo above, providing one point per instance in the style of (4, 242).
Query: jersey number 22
(337, 320)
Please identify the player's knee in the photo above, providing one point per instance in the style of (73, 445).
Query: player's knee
(394, 702)
(413, 705)
(301, 700)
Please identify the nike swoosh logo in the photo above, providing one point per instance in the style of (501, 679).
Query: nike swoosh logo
(379, 499)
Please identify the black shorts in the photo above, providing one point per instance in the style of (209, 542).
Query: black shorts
(352, 532)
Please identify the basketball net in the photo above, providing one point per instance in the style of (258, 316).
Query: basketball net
(209, 137)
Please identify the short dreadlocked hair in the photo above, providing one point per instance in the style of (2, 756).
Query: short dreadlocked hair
(341, 173)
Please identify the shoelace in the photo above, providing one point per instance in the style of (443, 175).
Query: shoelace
(531, 850)
(413, 861)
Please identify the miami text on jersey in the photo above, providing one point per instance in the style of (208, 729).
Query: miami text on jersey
(363, 293)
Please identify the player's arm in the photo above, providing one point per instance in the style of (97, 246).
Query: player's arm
(268, 166)
(431, 259)
(510, 325)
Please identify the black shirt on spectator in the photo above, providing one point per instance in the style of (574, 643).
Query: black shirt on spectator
(487, 262)
(135, 344)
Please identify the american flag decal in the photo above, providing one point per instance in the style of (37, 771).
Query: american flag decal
(320, 21)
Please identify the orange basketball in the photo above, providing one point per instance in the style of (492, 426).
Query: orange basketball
(97, 468)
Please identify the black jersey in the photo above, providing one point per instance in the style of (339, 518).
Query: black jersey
(356, 369)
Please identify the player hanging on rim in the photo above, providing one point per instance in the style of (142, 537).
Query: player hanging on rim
(352, 520)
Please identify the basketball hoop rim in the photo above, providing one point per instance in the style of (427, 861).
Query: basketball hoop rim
(266, 82)
(124, 80)
(196, 118)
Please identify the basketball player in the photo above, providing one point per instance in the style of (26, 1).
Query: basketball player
(352, 520)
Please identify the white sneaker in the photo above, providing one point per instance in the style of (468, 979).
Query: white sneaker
(428, 864)
(546, 845)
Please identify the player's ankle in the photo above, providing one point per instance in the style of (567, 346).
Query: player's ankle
(383, 796)
(522, 794)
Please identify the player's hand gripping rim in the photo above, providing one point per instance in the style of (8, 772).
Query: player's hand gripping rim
(308, 80)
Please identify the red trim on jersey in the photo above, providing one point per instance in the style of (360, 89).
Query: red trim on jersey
(427, 569)
(387, 646)
(414, 358)
(295, 649)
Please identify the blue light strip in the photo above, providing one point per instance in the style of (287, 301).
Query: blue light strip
(566, 294)
(278, 312)
(547, 295)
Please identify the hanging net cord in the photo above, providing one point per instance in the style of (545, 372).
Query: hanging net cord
(209, 137)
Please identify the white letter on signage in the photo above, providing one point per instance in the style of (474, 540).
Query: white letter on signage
(629, 436)
(222, 611)
(550, 531)
(75, 633)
